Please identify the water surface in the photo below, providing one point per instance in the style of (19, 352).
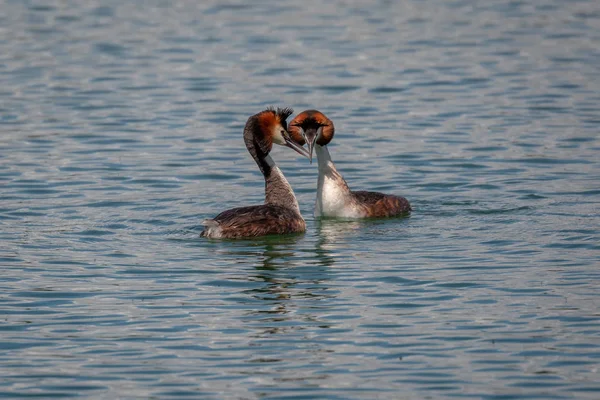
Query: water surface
(120, 130)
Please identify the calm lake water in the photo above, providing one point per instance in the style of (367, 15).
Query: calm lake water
(120, 131)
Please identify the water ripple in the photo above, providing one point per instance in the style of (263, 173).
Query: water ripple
(120, 131)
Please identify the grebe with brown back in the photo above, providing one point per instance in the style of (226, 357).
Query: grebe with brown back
(280, 214)
(334, 197)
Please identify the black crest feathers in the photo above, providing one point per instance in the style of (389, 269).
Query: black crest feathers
(283, 113)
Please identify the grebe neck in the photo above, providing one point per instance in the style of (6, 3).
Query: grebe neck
(333, 192)
(327, 170)
(323, 157)
(278, 190)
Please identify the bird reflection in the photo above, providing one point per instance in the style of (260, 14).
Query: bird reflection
(290, 278)
(333, 233)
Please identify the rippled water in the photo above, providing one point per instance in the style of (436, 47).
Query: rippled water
(120, 130)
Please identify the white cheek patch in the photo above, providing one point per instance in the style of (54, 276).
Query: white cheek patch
(277, 136)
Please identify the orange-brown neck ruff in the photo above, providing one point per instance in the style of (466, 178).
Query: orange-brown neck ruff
(258, 141)
(312, 119)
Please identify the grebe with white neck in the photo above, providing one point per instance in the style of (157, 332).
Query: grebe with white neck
(280, 214)
(334, 197)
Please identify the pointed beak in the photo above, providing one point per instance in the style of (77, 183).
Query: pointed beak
(295, 146)
(310, 135)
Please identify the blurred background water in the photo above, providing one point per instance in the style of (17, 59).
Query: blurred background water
(120, 130)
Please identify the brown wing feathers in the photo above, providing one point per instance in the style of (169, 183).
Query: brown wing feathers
(377, 204)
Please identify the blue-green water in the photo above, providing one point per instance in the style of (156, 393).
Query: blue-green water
(120, 130)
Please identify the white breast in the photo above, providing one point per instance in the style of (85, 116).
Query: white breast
(332, 201)
(333, 195)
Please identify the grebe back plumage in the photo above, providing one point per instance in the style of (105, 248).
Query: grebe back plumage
(280, 214)
(334, 197)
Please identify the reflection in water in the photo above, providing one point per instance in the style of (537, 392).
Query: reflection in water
(274, 251)
(331, 238)
(120, 128)
(333, 232)
(290, 283)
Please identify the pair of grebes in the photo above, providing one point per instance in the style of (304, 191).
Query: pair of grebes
(281, 214)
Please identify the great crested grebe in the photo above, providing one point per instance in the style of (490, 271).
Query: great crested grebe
(280, 213)
(334, 197)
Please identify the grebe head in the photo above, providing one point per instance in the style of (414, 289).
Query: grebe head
(311, 126)
(270, 126)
